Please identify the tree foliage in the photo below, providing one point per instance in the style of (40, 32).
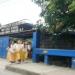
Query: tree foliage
(58, 14)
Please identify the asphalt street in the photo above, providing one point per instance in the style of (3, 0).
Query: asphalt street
(2, 69)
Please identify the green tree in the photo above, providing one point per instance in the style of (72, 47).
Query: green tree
(59, 14)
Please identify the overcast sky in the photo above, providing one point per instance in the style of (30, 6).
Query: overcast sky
(13, 10)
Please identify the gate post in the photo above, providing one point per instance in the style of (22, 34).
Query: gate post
(73, 63)
(35, 44)
(46, 59)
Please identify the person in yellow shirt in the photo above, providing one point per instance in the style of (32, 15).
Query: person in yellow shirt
(29, 50)
(22, 51)
(11, 53)
(25, 52)
(16, 47)
(19, 51)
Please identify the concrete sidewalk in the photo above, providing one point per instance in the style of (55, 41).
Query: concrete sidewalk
(29, 68)
(3, 63)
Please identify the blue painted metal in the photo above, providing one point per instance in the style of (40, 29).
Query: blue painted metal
(36, 40)
(60, 52)
(4, 43)
(49, 52)
(35, 44)
(34, 56)
(73, 63)
(0, 47)
(56, 52)
(46, 59)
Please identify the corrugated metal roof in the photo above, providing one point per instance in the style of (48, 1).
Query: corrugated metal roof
(16, 27)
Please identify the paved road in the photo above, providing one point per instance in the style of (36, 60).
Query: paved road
(43, 69)
(2, 69)
(4, 72)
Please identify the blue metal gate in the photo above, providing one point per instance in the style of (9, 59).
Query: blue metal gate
(4, 43)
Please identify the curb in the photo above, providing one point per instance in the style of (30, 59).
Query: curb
(21, 71)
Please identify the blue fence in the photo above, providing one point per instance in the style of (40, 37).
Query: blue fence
(49, 52)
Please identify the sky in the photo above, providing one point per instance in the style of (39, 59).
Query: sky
(15, 10)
